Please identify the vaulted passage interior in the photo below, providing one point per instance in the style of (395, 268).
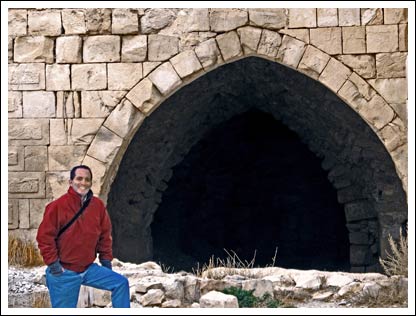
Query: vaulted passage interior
(250, 157)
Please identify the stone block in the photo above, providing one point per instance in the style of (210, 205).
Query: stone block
(57, 184)
(249, 38)
(382, 38)
(125, 21)
(105, 145)
(33, 49)
(229, 44)
(353, 40)
(68, 104)
(162, 47)
(350, 194)
(360, 255)
(186, 63)
(98, 21)
(156, 19)
(392, 90)
(36, 158)
(26, 185)
(300, 34)
(391, 65)
(208, 54)
(358, 211)
(36, 211)
(14, 103)
(89, 77)
(349, 17)
(16, 160)
(65, 157)
(334, 75)
(269, 43)
(83, 130)
(273, 19)
(73, 21)
(364, 65)
(371, 16)
(134, 48)
(27, 76)
(395, 15)
(37, 104)
(101, 49)
(28, 132)
(145, 96)
(299, 18)
(13, 214)
(24, 214)
(68, 50)
(17, 22)
(223, 20)
(58, 77)
(165, 78)
(124, 76)
(99, 103)
(290, 51)
(327, 17)
(313, 62)
(359, 238)
(124, 120)
(59, 131)
(403, 40)
(327, 39)
(44, 22)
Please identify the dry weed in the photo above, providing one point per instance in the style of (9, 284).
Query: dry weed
(23, 253)
(396, 262)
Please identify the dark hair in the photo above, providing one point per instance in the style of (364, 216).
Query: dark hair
(72, 174)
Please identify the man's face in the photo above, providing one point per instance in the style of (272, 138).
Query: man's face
(82, 181)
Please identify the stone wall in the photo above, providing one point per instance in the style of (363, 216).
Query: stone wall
(82, 81)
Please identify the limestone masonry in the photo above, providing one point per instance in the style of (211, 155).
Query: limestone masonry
(82, 81)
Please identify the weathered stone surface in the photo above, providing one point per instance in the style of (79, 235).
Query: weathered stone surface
(382, 38)
(38, 104)
(105, 145)
(44, 22)
(17, 22)
(223, 20)
(208, 53)
(36, 158)
(134, 48)
(156, 19)
(353, 40)
(149, 66)
(62, 158)
(82, 131)
(36, 211)
(395, 15)
(13, 214)
(162, 47)
(27, 76)
(229, 44)
(371, 16)
(190, 40)
(188, 21)
(123, 76)
(98, 21)
(349, 17)
(356, 211)
(327, 17)
(99, 103)
(14, 101)
(391, 65)
(68, 50)
(392, 90)
(26, 184)
(58, 77)
(269, 43)
(290, 51)
(145, 96)
(401, 110)
(302, 18)
(89, 77)
(359, 255)
(28, 132)
(327, 39)
(68, 104)
(10, 49)
(73, 21)
(394, 134)
(300, 34)
(249, 38)
(125, 21)
(377, 112)
(124, 120)
(313, 62)
(364, 65)
(186, 63)
(16, 160)
(33, 49)
(165, 78)
(216, 299)
(403, 40)
(334, 75)
(57, 184)
(101, 48)
(268, 18)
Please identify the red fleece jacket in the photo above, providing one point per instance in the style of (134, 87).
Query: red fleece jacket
(78, 246)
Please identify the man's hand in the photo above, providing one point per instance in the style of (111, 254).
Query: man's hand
(106, 263)
(56, 268)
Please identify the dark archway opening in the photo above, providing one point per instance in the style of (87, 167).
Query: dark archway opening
(250, 185)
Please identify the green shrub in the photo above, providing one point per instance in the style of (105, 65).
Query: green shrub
(247, 299)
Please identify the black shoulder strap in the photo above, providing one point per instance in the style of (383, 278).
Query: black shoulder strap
(78, 214)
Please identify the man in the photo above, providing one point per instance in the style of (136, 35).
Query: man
(70, 255)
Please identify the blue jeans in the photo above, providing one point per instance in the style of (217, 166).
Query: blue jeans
(64, 289)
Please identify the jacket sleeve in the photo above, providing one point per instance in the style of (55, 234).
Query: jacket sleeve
(47, 232)
(105, 242)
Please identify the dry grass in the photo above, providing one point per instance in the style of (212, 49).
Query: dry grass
(41, 300)
(218, 268)
(23, 253)
(396, 262)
